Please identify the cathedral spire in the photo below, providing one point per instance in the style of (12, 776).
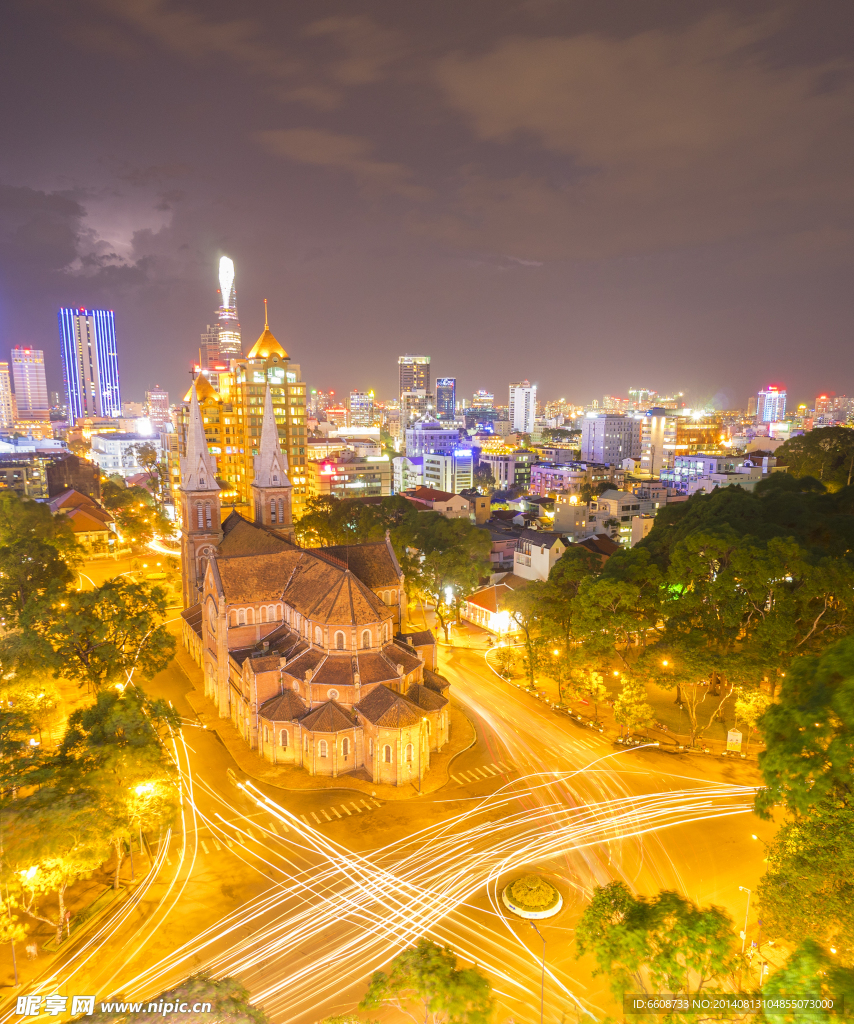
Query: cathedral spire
(198, 471)
(271, 463)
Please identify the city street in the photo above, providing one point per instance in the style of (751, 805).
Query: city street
(275, 891)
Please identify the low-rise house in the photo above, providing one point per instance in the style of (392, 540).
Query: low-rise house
(536, 552)
(485, 607)
(451, 506)
(94, 528)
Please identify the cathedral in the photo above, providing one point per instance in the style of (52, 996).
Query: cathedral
(301, 647)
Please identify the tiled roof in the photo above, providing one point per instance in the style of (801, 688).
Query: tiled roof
(384, 707)
(335, 670)
(310, 658)
(374, 563)
(245, 538)
(264, 663)
(425, 697)
(540, 538)
(325, 593)
(421, 639)
(376, 667)
(329, 717)
(253, 578)
(285, 707)
(433, 681)
(193, 617)
(600, 544)
(430, 494)
(88, 520)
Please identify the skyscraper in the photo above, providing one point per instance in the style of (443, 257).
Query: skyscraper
(361, 409)
(7, 411)
(771, 405)
(523, 406)
(157, 409)
(446, 397)
(90, 365)
(30, 384)
(414, 373)
(229, 328)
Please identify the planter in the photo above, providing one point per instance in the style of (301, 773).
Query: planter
(532, 898)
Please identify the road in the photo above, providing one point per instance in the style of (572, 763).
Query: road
(303, 894)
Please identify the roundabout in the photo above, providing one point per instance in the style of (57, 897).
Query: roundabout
(532, 898)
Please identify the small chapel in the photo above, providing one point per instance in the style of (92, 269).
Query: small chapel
(302, 647)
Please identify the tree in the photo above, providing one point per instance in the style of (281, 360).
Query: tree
(484, 479)
(560, 611)
(665, 943)
(52, 838)
(525, 607)
(20, 763)
(809, 734)
(94, 637)
(592, 686)
(809, 973)
(807, 890)
(147, 454)
(229, 1002)
(826, 453)
(25, 519)
(138, 518)
(30, 570)
(631, 708)
(425, 984)
(115, 748)
(750, 706)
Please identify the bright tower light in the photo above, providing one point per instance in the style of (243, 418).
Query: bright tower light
(226, 280)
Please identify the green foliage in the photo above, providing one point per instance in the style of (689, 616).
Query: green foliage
(138, 517)
(531, 892)
(664, 943)
(230, 1003)
(807, 890)
(484, 479)
(327, 521)
(30, 570)
(809, 973)
(94, 637)
(631, 708)
(526, 608)
(25, 519)
(426, 976)
(809, 734)
(826, 453)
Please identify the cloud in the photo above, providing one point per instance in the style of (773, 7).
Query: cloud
(671, 138)
(347, 153)
(369, 48)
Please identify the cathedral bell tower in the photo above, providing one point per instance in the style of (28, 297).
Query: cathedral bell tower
(271, 488)
(201, 532)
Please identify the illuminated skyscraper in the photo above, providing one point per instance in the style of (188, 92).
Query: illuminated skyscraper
(446, 397)
(90, 365)
(771, 405)
(229, 328)
(7, 412)
(30, 384)
(523, 406)
(414, 373)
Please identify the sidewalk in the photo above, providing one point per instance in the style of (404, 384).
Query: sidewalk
(294, 779)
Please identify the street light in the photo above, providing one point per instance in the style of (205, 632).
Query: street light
(743, 888)
(543, 974)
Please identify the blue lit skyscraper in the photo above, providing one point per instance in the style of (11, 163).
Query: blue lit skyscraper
(90, 366)
(446, 397)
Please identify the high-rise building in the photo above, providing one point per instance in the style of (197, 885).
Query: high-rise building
(232, 418)
(30, 384)
(90, 365)
(7, 409)
(414, 373)
(608, 438)
(229, 327)
(361, 409)
(771, 405)
(157, 409)
(482, 400)
(523, 406)
(209, 347)
(446, 397)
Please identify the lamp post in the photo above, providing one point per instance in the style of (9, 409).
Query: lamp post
(543, 973)
(743, 888)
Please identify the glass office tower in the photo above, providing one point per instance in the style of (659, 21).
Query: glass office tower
(90, 366)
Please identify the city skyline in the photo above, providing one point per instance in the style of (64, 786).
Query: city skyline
(369, 238)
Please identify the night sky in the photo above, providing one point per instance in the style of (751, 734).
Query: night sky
(595, 196)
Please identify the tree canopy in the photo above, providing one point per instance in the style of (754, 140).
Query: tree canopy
(826, 453)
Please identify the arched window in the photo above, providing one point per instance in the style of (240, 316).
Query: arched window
(250, 616)
(339, 641)
(427, 720)
(322, 749)
(371, 746)
(241, 617)
(385, 632)
(200, 516)
(272, 510)
(410, 751)
(281, 510)
(208, 514)
(366, 639)
(232, 618)
(318, 635)
(263, 614)
(345, 747)
(387, 754)
(266, 734)
(283, 738)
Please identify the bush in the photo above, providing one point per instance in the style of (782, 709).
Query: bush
(530, 892)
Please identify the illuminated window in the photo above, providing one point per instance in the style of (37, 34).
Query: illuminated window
(339, 641)
(283, 738)
(323, 749)
(366, 639)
